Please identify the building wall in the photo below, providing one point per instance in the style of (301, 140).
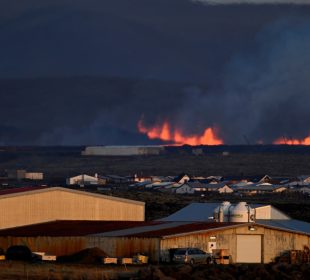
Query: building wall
(112, 246)
(59, 246)
(225, 189)
(34, 175)
(41, 206)
(268, 212)
(274, 242)
(82, 179)
(16, 174)
(122, 150)
(126, 246)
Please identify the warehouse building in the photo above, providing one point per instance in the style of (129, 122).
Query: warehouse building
(122, 150)
(243, 237)
(242, 242)
(25, 206)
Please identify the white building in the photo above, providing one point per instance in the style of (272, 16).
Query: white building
(82, 179)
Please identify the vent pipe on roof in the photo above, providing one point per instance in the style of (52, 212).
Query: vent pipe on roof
(221, 213)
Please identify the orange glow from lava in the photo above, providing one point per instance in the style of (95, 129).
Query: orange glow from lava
(285, 141)
(166, 133)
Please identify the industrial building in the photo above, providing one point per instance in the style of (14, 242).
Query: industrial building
(156, 239)
(83, 179)
(25, 206)
(21, 174)
(200, 212)
(243, 238)
(122, 150)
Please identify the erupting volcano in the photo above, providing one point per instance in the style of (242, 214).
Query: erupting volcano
(166, 133)
(286, 141)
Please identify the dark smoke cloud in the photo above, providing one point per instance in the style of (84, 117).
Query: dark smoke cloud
(243, 68)
(77, 111)
(226, 2)
(267, 92)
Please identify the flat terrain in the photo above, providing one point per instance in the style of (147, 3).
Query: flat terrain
(62, 162)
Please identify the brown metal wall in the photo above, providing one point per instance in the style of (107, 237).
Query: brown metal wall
(126, 246)
(58, 246)
(113, 246)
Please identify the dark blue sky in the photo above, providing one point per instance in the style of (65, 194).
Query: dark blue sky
(243, 68)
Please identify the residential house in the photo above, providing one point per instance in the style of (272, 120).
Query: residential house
(184, 189)
(182, 178)
(219, 187)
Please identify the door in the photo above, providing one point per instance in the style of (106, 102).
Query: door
(249, 248)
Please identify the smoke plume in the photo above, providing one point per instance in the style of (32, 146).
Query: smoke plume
(85, 72)
(260, 2)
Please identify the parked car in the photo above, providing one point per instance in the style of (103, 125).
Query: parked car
(191, 255)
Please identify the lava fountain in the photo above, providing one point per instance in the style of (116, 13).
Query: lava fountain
(287, 141)
(166, 133)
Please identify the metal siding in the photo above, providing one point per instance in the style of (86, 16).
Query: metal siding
(277, 242)
(58, 246)
(62, 205)
(225, 239)
(122, 150)
(126, 246)
(274, 243)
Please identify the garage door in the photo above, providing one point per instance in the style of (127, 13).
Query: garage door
(249, 248)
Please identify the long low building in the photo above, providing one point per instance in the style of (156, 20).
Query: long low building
(259, 242)
(25, 206)
(122, 150)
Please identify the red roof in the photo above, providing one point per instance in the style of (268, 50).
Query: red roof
(72, 228)
(21, 189)
(82, 228)
(185, 228)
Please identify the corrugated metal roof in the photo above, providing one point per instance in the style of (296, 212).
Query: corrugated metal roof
(72, 228)
(200, 212)
(290, 225)
(173, 229)
(112, 228)
(21, 189)
(141, 229)
(193, 212)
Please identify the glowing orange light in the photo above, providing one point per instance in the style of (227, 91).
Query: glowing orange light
(166, 133)
(285, 141)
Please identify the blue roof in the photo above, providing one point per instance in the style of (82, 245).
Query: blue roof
(193, 212)
(197, 212)
(291, 225)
